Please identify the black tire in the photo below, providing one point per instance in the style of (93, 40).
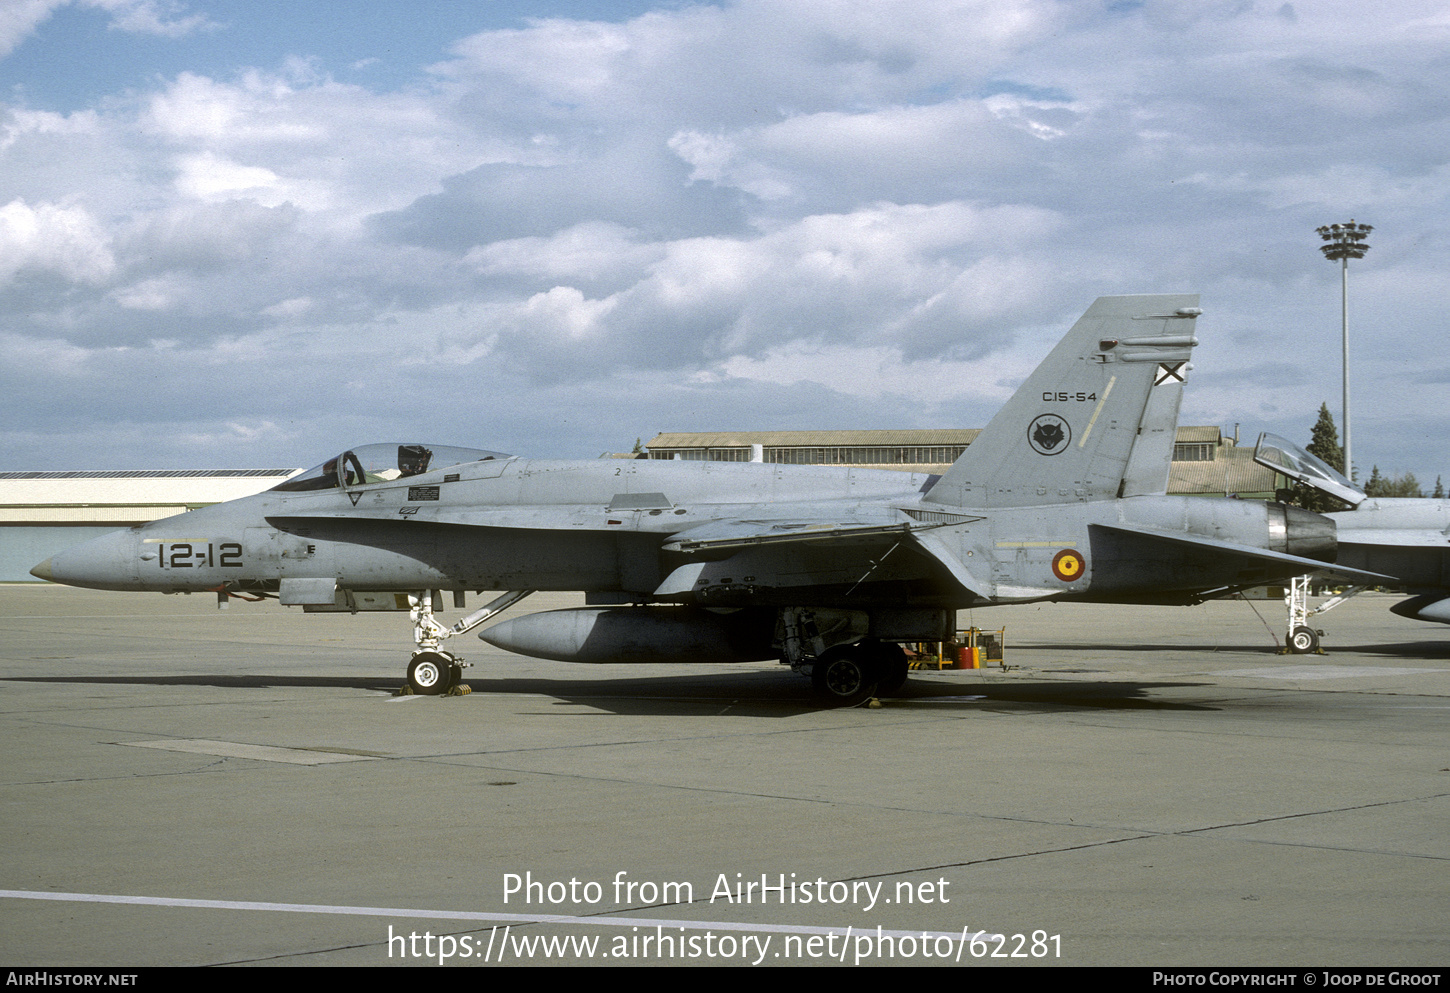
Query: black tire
(430, 673)
(1303, 641)
(844, 678)
(891, 667)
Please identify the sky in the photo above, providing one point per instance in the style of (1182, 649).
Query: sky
(246, 234)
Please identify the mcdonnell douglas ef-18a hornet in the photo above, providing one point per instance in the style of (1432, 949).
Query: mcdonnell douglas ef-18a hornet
(827, 568)
(1406, 539)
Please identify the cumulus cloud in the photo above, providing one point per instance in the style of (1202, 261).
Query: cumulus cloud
(167, 18)
(590, 254)
(53, 238)
(19, 18)
(208, 177)
(836, 213)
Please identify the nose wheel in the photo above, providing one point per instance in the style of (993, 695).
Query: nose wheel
(433, 673)
(1303, 641)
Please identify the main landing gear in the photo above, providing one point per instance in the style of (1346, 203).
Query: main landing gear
(432, 672)
(849, 675)
(846, 668)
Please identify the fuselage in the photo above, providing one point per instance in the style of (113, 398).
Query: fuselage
(1405, 537)
(604, 527)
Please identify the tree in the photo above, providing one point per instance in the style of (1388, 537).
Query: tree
(1324, 445)
(1439, 493)
(1324, 440)
(1406, 486)
(1393, 486)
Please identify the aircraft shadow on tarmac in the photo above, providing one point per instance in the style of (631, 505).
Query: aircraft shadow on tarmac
(759, 694)
(1401, 649)
(1393, 649)
(1138, 647)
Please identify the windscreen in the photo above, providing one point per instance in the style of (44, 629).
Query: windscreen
(383, 463)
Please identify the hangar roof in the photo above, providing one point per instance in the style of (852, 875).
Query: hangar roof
(1232, 471)
(813, 439)
(1206, 462)
(123, 495)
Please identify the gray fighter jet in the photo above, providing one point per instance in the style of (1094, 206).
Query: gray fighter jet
(1405, 539)
(826, 568)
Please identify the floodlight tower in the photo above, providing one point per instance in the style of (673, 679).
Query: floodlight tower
(1345, 242)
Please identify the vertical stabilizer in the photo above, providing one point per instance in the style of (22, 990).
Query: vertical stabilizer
(1095, 421)
(1152, 456)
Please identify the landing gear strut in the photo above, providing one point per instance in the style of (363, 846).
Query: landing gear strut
(432, 672)
(1303, 639)
(846, 667)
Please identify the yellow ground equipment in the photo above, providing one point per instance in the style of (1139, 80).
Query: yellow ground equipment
(970, 649)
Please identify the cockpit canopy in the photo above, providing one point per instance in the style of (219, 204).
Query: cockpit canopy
(1282, 455)
(382, 463)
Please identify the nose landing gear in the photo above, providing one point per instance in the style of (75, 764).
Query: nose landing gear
(432, 672)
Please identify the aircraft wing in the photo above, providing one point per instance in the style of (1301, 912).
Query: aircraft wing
(708, 537)
(1249, 551)
(863, 539)
(722, 535)
(933, 545)
(858, 537)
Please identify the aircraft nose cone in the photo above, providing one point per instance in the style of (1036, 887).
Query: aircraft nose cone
(105, 563)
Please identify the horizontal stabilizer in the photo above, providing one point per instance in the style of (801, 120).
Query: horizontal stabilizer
(1249, 551)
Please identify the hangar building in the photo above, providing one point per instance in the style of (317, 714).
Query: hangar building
(1206, 462)
(44, 512)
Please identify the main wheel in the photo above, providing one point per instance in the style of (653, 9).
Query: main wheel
(892, 667)
(844, 677)
(1303, 641)
(430, 673)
